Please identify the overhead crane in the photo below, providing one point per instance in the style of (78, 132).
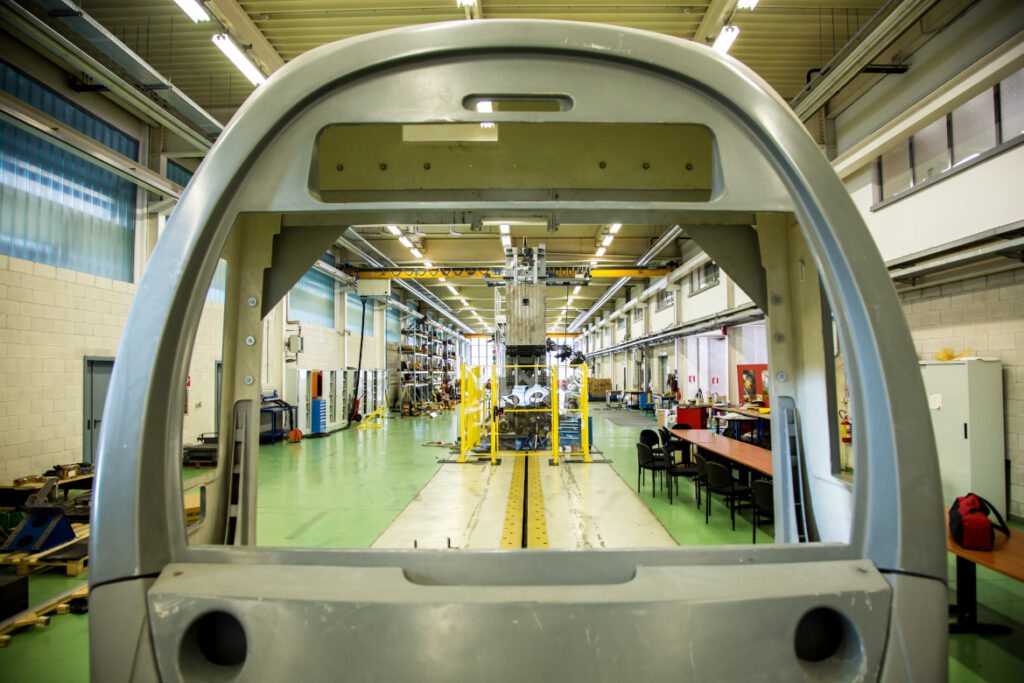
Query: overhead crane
(557, 275)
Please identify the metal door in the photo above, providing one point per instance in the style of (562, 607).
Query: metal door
(96, 382)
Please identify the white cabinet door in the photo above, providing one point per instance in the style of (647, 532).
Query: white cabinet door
(946, 390)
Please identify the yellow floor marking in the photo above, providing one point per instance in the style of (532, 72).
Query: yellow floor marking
(536, 520)
(512, 534)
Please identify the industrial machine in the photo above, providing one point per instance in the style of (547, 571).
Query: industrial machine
(630, 126)
(524, 381)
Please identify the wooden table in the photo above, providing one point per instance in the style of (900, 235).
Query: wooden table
(1006, 557)
(740, 452)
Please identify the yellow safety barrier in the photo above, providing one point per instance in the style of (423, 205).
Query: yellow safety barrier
(374, 420)
(473, 412)
(479, 419)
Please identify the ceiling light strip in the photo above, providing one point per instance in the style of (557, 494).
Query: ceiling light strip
(193, 9)
(234, 53)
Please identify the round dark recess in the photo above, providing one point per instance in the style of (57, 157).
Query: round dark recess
(221, 639)
(819, 634)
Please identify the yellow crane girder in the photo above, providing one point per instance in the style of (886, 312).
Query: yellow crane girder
(553, 272)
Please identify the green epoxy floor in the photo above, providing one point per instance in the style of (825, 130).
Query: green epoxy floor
(345, 489)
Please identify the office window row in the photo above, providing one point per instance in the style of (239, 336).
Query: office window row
(664, 299)
(177, 173)
(986, 121)
(703, 277)
(55, 207)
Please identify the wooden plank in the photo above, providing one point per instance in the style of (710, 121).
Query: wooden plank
(1006, 556)
(37, 615)
(26, 563)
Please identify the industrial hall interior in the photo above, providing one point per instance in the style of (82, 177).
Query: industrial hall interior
(488, 340)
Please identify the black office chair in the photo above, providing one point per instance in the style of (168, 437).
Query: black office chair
(720, 481)
(673, 471)
(670, 445)
(699, 461)
(763, 498)
(646, 460)
(649, 438)
(681, 425)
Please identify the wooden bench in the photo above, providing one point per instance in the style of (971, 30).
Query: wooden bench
(1006, 557)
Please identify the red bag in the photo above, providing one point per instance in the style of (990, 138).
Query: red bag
(969, 524)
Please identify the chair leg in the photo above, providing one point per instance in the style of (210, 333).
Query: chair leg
(732, 510)
(669, 490)
(754, 541)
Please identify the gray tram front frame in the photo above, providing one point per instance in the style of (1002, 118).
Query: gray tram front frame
(706, 613)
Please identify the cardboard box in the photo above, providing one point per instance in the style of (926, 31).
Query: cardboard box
(598, 387)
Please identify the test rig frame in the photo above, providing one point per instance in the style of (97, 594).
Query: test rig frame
(212, 606)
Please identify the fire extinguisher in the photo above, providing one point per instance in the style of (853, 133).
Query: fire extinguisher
(845, 428)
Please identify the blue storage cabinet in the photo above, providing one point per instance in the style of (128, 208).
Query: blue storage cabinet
(570, 432)
(318, 419)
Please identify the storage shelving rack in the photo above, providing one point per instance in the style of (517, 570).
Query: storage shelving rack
(413, 371)
(428, 361)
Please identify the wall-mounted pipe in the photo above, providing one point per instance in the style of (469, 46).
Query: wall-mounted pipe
(667, 238)
(741, 314)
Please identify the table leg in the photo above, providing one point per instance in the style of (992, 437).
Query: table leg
(967, 603)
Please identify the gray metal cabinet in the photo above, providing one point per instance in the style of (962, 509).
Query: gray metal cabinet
(965, 399)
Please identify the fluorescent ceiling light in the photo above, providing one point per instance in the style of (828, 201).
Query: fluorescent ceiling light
(241, 62)
(464, 302)
(443, 279)
(726, 38)
(394, 230)
(452, 290)
(504, 229)
(746, 4)
(405, 242)
(600, 252)
(593, 263)
(193, 9)
(615, 227)
(428, 264)
(416, 252)
(577, 289)
(506, 241)
(607, 240)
